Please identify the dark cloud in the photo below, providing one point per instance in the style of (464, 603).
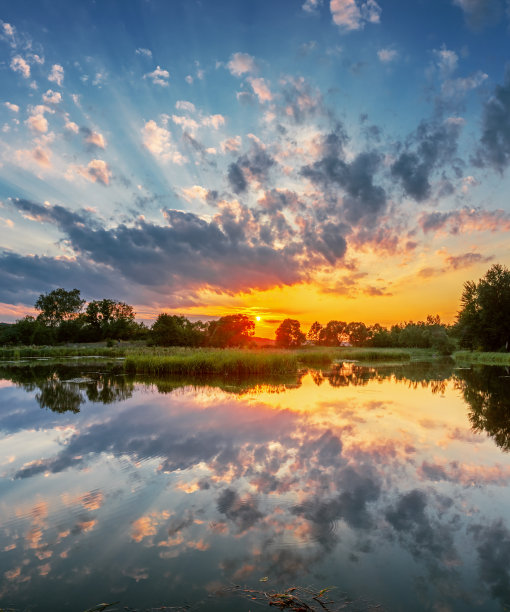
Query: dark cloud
(494, 147)
(494, 558)
(362, 199)
(430, 147)
(243, 512)
(253, 166)
(300, 101)
(480, 13)
(466, 260)
(465, 219)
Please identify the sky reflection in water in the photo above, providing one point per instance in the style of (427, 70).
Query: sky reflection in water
(153, 493)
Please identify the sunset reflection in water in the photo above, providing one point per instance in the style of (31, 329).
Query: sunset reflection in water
(370, 480)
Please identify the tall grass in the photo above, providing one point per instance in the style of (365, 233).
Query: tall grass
(223, 362)
(482, 358)
(54, 352)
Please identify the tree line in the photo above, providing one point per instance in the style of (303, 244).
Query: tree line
(483, 323)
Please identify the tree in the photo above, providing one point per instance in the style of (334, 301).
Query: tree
(230, 330)
(110, 318)
(358, 333)
(483, 322)
(314, 333)
(333, 334)
(59, 305)
(289, 334)
(174, 330)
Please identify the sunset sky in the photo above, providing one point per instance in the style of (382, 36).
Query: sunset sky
(312, 159)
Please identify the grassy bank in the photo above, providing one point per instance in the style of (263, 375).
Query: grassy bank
(223, 362)
(55, 352)
(482, 358)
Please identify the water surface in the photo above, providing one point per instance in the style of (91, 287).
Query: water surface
(389, 483)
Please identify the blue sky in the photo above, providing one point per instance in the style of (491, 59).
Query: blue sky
(315, 159)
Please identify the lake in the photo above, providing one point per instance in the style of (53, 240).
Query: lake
(389, 483)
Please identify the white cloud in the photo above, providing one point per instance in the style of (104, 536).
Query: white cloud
(158, 141)
(351, 15)
(71, 125)
(52, 97)
(158, 76)
(9, 31)
(97, 171)
(446, 61)
(99, 79)
(231, 145)
(185, 106)
(38, 123)
(37, 59)
(189, 79)
(455, 87)
(18, 64)
(260, 89)
(241, 63)
(387, 55)
(56, 75)
(41, 155)
(215, 121)
(96, 139)
(310, 6)
(13, 107)
(143, 52)
(194, 193)
(185, 122)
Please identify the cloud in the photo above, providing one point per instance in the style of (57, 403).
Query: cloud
(71, 125)
(300, 101)
(465, 220)
(52, 97)
(254, 166)
(231, 145)
(38, 123)
(241, 511)
(362, 200)
(158, 141)
(241, 63)
(39, 154)
(13, 107)
(429, 147)
(260, 89)
(446, 61)
(387, 55)
(143, 52)
(184, 105)
(480, 13)
(494, 147)
(350, 15)
(18, 64)
(311, 6)
(95, 139)
(494, 557)
(57, 74)
(158, 76)
(97, 171)
(466, 260)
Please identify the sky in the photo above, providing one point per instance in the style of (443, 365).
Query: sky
(311, 159)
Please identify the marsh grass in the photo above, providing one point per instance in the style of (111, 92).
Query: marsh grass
(482, 358)
(56, 352)
(375, 354)
(222, 362)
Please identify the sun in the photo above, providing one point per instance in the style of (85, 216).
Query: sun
(257, 318)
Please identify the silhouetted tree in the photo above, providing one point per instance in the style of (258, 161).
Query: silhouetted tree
(110, 318)
(314, 333)
(333, 334)
(175, 330)
(358, 333)
(289, 334)
(484, 318)
(59, 305)
(230, 330)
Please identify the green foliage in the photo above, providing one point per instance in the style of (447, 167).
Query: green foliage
(174, 330)
(289, 334)
(333, 334)
(483, 322)
(109, 319)
(486, 358)
(59, 305)
(230, 331)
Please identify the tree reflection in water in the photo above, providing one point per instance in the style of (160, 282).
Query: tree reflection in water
(486, 390)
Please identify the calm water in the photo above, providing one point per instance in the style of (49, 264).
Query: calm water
(390, 484)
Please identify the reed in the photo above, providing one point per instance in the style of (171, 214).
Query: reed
(373, 354)
(55, 352)
(222, 362)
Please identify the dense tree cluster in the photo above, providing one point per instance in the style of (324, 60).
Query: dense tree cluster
(483, 321)
(61, 318)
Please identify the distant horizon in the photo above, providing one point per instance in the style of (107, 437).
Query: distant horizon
(186, 157)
